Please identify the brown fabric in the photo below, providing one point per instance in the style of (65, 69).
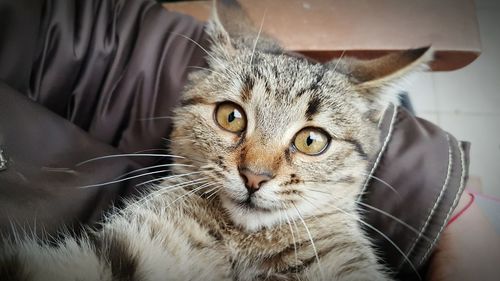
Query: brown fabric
(95, 70)
(40, 191)
(106, 66)
(418, 177)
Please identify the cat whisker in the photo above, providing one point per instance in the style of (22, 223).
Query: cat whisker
(388, 239)
(310, 202)
(170, 177)
(338, 61)
(152, 167)
(164, 189)
(295, 227)
(411, 228)
(197, 44)
(127, 155)
(257, 38)
(310, 239)
(121, 180)
(206, 166)
(366, 175)
(177, 140)
(211, 70)
(294, 243)
(171, 140)
(206, 169)
(211, 190)
(215, 190)
(193, 185)
(155, 118)
(151, 149)
(203, 49)
(384, 183)
(191, 192)
(205, 185)
(220, 74)
(213, 197)
(201, 163)
(407, 259)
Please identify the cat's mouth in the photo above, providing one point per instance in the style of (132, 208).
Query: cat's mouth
(250, 204)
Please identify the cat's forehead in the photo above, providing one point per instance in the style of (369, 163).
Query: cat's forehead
(285, 71)
(283, 93)
(285, 78)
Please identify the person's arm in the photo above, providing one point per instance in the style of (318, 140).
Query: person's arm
(79, 80)
(469, 248)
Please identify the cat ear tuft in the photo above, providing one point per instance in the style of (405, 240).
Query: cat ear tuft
(380, 79)
(221, 41)
(230, 27)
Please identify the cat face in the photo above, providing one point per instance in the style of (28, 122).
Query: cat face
(280, 137)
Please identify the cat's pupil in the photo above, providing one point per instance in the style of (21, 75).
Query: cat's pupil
(309, 140)
(233, 115)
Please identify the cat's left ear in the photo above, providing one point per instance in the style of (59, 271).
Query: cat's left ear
(380, 80)
(230, 28)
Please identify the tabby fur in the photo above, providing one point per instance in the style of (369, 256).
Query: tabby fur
(302, 224)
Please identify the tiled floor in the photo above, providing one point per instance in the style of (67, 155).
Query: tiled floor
(467, 102)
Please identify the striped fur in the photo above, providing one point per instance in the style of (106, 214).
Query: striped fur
(302, 224)
(195, 240)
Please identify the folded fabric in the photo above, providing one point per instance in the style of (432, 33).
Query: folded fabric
(84, 79)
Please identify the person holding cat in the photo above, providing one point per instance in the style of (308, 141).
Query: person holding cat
(98, 78)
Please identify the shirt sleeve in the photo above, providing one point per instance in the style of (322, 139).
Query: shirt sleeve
(109, 67)
(79, 80)
(414, 184)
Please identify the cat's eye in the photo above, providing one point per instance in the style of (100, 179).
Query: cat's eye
(230, 117)
(311, 141)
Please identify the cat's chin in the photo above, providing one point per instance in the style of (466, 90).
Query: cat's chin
(252, 217)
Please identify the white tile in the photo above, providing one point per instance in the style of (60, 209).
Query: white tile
(481, 4)
(483, 131)
(475, 88)
(421, 91)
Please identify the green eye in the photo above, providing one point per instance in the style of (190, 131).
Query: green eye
(311, 141)
(230, 117)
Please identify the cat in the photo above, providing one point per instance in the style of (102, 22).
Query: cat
(271, 152)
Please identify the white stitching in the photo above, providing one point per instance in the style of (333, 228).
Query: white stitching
(436, 203)
(382, 149)
(3, 159)
(452, 207)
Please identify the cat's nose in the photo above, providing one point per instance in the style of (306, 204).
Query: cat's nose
(253, 181)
